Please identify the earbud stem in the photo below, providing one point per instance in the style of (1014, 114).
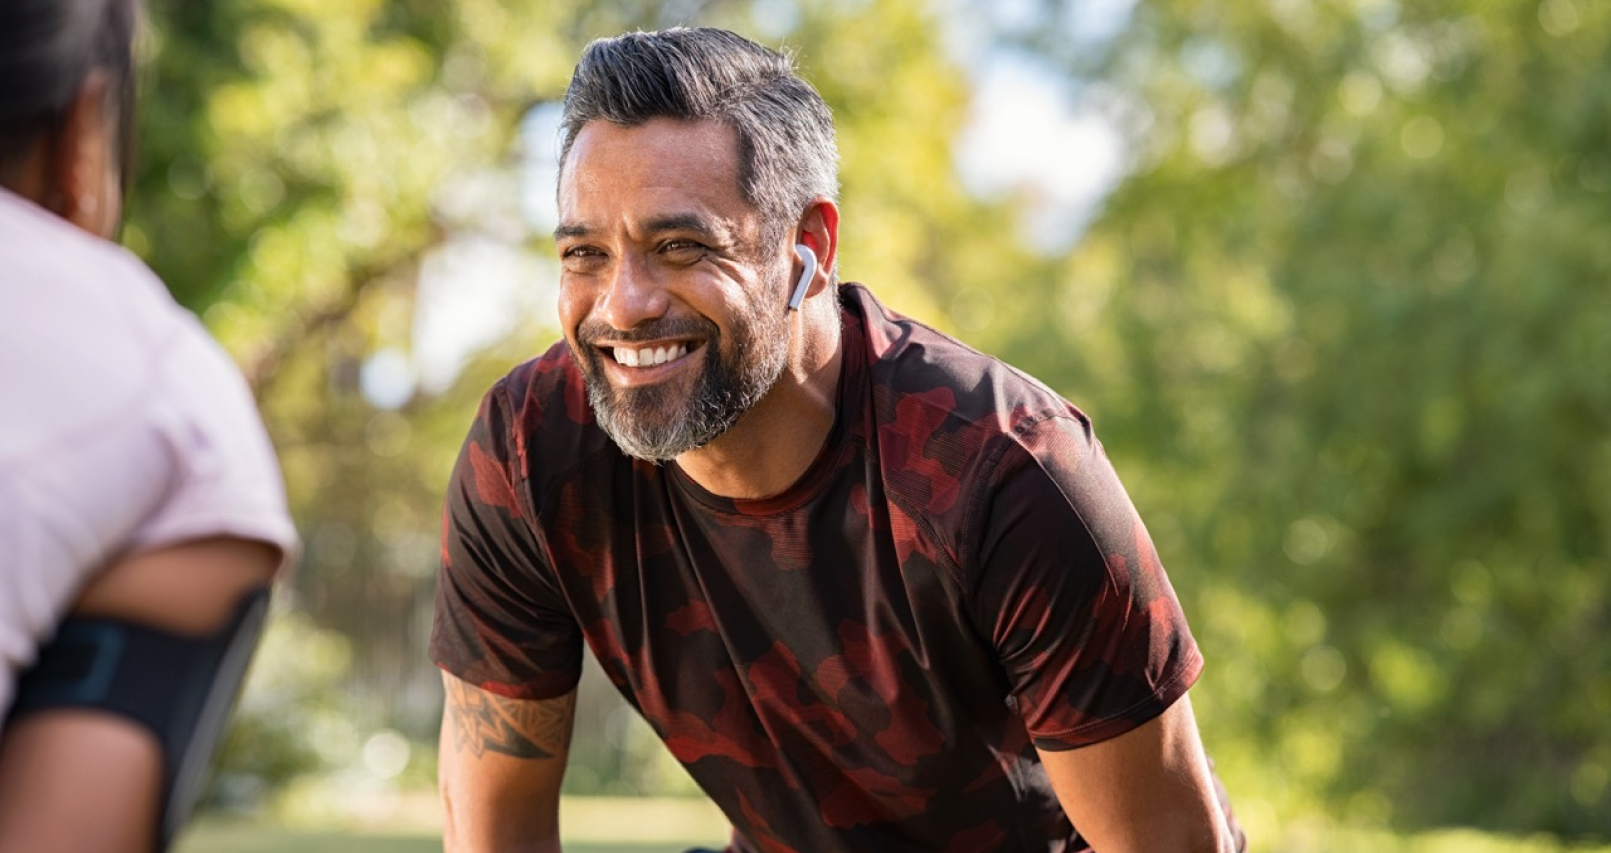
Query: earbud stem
(808, 259)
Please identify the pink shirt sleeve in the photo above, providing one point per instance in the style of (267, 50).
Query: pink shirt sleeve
(224, 477)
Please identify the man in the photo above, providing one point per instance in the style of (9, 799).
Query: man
(876, 591)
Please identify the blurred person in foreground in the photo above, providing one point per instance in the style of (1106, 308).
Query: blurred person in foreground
(875, 590)
(142, 516)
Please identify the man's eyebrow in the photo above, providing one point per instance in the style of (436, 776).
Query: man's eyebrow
(685, 222)
(571, 231)
(715, 229)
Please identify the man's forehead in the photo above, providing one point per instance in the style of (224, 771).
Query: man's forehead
(661, 151)
(665, 173)
(705, 131)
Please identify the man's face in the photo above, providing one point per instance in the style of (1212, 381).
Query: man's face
(673, 308)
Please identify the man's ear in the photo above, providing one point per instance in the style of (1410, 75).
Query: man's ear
(83, 181)
(819, 231)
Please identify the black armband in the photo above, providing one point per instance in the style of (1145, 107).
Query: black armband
(180, 688)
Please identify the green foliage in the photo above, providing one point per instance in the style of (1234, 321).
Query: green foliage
(291, 719)
(1346, 328)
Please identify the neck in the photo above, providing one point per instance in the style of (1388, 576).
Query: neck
(774, 443)
(24, 175)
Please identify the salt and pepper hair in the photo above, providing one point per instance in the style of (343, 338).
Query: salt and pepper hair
(787, 153)
(47, 50)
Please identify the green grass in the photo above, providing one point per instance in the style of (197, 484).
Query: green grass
(213, 838)
(219, 837)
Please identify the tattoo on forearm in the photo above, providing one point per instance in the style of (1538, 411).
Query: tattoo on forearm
(485, 722)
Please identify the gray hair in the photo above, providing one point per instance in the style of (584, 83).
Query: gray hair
(787, 153)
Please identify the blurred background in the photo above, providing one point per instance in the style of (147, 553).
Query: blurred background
(1330, 277)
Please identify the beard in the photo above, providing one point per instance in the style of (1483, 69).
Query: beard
(663, 421)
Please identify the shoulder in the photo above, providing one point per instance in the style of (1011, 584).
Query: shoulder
(952, 429)
(46, 256)
(95, 327)
(937, 402)
(914, 367)
(538, 421)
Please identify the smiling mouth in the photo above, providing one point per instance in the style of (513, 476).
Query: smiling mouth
(628, 356)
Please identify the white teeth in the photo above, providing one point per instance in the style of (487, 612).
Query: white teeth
(649, 356)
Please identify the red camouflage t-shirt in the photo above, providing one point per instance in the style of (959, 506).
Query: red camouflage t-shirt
(862, 663)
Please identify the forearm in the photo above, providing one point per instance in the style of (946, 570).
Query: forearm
(478, 819)
(501, 762)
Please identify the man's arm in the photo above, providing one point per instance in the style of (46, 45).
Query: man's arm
(500, 767)
(78, 780)
(1148, 790)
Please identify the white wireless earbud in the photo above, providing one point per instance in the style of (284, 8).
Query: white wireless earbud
(809, 259)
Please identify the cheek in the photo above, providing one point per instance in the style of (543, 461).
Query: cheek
(575, 302)
(732, 305)
(758, 312)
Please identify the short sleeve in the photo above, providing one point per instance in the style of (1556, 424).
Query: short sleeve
(1072, 595)
(225, 478)
(501, 622)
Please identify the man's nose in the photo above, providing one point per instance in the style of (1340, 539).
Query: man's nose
(634, 294)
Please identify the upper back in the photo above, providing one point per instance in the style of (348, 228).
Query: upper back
(82, 324)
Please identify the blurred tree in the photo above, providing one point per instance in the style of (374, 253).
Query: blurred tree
(1346, 325)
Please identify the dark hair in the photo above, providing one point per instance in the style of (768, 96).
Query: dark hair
(787, 154)
(47, 50)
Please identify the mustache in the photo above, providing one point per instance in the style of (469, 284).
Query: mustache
(592, 331)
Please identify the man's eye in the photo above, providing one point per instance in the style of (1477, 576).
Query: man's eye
(682, 248)
(579, 258)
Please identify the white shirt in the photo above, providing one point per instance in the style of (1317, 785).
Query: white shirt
(123, 427)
